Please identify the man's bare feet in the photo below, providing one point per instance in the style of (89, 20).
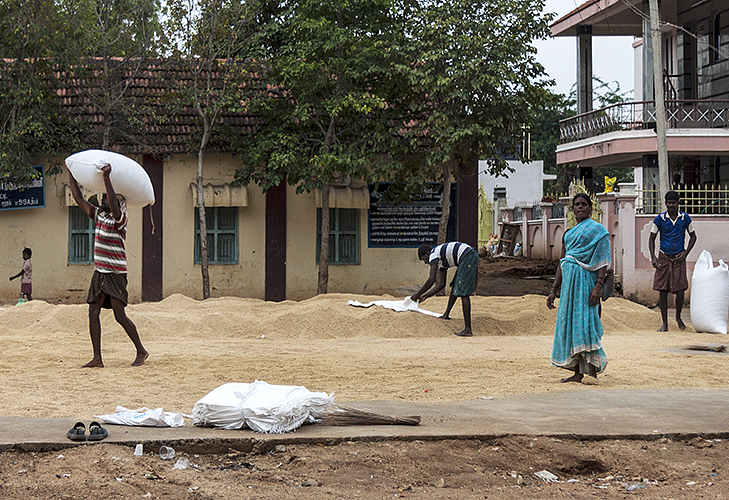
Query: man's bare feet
(466, 332)
(663, 328)
(681, 325)
(577, 377)
(141, 358)
(443, 316)
(94, 363)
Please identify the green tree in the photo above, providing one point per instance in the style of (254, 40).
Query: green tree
(468, 81)
(318, 99)
(205, 36)
(120, 39)
(37, 37)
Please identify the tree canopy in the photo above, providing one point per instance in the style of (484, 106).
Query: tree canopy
(35, 37)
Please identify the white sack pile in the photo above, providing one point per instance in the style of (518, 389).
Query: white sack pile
(261, 407)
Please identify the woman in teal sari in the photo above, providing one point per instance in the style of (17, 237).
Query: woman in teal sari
(580, 277)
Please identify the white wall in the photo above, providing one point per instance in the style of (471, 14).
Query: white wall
(524, 186)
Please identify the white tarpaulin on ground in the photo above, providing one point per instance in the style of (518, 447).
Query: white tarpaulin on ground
(144, 417)
(261, 407)
(395, 305)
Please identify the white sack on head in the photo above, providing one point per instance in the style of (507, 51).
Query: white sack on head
(127, 176)
(710, 295)
(262, 407)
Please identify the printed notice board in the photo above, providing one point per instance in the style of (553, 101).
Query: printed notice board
(408, 225)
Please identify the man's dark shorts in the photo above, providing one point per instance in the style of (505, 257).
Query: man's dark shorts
(670, 275)
(464, 282)
(113, 285)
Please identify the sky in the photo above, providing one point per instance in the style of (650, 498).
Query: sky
(609, 55)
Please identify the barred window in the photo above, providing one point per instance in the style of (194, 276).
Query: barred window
(80, 237)
(222, 229)
(343, 235)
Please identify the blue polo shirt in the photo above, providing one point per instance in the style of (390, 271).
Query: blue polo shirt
(673, 232)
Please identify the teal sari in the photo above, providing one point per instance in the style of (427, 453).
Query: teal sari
(578, 331)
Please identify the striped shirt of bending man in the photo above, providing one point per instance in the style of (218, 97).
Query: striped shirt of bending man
(448, 254)
(110, 255)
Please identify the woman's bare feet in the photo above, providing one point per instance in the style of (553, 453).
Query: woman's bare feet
(94, 363)
(577, 377)
(141, 358)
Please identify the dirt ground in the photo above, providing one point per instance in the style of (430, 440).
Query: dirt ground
(326, 345)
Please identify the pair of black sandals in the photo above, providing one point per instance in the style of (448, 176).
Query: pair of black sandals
(78, 432)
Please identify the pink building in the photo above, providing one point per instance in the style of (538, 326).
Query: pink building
(695, 61)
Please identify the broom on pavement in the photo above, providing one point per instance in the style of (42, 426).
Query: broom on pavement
(699, 347)
(343, 415)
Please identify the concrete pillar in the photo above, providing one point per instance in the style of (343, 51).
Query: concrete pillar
(566, 203)
(626, 242)
(499, 203)
(546, 250)
(647, 75)
(526, 244)
(584, 69)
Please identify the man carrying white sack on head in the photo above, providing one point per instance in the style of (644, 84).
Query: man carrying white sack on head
(108, 287)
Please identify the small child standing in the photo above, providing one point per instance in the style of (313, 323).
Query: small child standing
(26, 284)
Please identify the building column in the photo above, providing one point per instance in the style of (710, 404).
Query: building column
(584, 69)
(152, 230)
(276, 215)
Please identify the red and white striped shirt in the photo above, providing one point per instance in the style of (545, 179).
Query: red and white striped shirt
(110, 255)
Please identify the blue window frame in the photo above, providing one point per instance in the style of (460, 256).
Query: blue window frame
(343, 235)
(222, 229)
(80, 237)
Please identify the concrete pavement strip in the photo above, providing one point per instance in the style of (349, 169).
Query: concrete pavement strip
(583, 414)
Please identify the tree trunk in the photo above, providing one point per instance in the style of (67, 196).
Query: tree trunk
(203, 229)
(445, 204)
(201, 208)
(324, 252)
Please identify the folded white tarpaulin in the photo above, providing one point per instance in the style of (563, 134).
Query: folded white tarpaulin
(395, 305)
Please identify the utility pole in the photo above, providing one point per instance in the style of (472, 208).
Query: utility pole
(658, 96)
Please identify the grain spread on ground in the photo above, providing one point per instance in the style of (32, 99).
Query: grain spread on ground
(325, 345)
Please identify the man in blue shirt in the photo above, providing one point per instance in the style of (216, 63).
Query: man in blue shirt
(670, 264)
(440, 258)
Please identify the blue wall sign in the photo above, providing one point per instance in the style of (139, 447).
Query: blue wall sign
(32, 195)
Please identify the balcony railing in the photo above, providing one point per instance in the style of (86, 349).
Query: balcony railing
(695, 200)
(642, 115)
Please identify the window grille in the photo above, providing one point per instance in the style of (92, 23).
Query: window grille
(222, 230)
(343, 235)
(80, 237)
